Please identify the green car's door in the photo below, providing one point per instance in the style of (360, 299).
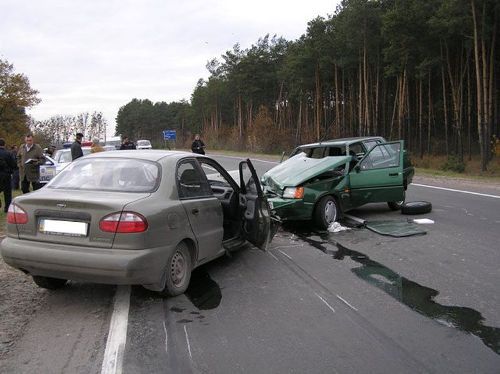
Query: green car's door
(378, 177)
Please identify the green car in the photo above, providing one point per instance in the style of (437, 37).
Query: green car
(320, 181)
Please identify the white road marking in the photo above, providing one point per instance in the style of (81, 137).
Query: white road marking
(276, 258)
(187, 340)
(288, 246)
(166, 337)
(284, 254)
(117, 336)
(326, 303)
(453, 190)
(345, 302)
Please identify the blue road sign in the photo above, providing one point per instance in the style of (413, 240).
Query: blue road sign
(169, 135)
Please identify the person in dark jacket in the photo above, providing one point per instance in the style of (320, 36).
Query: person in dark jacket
(198, 146)
(76, 147)
(7, 165)
(29, 158)
(15, 172)
(127, 144)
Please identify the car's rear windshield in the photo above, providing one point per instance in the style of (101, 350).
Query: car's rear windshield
(143, 143)
(109, 174)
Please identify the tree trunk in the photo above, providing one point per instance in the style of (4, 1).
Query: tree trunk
(394, 107)
(445, 110)
(479, 89)
(377, 88)
(318, 103)
(420, 110)
(365, 80)
(429, 117)
(337, 103)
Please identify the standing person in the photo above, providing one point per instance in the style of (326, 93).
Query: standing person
(50, 150)
(7, 165)
(76, 147)
(29, 159)
(15, 171)
(198, 146)
(127, 144)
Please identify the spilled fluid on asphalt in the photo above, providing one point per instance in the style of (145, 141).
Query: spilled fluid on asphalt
(417, 297)
(203, 292)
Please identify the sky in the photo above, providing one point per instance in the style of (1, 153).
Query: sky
(97, 55)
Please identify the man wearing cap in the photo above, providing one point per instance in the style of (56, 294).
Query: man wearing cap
(76, 147)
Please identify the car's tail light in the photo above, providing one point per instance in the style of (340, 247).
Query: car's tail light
(16, 215)
(124, 222)
(293, 193)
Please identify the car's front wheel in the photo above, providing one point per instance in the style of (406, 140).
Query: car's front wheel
(49, 283)
(326, 212)
(178, 271)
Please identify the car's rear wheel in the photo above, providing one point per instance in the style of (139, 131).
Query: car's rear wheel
(178, 271)
(49, 283)
(396, 205)
(326, 212)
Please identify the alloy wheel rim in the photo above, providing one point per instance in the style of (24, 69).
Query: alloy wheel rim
(178, 269)
(330, 212)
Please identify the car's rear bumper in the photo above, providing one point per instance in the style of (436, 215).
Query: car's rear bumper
(291, 209)
(97, 265)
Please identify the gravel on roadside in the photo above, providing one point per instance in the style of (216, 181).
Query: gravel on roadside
(20, 298)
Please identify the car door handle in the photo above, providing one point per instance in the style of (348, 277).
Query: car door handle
(195, 211)
(393, 174)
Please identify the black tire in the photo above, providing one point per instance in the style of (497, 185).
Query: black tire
(416, 207)
(326, 212)
(49, 283)
(396, 205)
(178, 271)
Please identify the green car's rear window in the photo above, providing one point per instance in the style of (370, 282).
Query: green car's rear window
(108, 174)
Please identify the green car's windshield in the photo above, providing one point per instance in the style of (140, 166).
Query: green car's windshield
(109, 174)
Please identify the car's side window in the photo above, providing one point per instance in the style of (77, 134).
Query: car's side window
(382, 156)
(356, 149)
(191, 182)
(317, 152)
(369, 144)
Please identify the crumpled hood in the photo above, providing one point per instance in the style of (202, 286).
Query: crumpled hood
(299, 169)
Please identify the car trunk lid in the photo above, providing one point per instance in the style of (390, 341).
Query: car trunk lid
(66, 218)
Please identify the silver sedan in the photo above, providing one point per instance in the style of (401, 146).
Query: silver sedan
(135, 217)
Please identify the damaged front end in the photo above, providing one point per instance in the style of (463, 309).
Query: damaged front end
(294, 186)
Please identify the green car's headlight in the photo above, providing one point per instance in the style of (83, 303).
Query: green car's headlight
(293, 193)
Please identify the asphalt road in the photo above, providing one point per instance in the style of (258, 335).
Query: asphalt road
(315, 302)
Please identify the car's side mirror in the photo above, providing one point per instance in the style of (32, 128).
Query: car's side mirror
(357, 168)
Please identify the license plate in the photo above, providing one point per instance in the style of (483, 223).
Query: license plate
(47, 173)
(59, 227)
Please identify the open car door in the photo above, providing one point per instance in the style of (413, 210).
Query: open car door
(257, 225)
(378, 176)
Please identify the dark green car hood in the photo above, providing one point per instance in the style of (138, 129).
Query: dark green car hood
(299, 169)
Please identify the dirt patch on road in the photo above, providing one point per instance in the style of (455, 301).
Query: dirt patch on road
(20, 298)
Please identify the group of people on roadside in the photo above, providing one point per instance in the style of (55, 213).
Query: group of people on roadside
(20, 166)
